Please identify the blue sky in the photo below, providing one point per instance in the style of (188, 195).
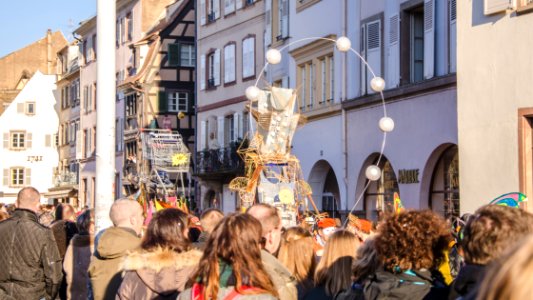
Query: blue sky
(24, 21)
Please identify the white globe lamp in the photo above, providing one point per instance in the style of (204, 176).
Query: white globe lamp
(377, 84)
(386, 124)
(273, 56)
(373, 172)
(343, 44)
(252, 93)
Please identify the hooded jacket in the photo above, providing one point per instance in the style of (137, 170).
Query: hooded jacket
(76, 264)
(159, 274)
(30, 266)
(104, 270)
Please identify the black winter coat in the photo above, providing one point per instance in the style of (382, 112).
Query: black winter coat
(30, 265)
(467, 281)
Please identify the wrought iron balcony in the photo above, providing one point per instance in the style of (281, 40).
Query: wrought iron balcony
(218, 162)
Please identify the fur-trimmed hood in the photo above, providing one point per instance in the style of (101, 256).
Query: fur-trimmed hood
(163, 271)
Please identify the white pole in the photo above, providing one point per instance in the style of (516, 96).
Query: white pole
(105, 112)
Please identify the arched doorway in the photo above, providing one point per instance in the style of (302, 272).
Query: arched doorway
(444, 193)
(325, 188)
(211, 200)
(379, 197)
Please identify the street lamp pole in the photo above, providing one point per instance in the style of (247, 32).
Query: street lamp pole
(105, 112)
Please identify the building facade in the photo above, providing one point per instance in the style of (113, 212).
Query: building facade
(29, 126)
(66, 181)
(495, 109)
(230, 50)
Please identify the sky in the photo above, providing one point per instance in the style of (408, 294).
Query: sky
(23, 22)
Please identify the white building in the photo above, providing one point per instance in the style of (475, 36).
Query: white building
(29, 127)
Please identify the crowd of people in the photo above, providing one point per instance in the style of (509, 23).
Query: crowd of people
(412, 254)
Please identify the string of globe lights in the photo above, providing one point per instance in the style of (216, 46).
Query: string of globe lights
(386, 124)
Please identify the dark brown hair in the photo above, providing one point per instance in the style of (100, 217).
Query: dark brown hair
(236, 241)
(492, 230)
(167, 230)
(411, 240)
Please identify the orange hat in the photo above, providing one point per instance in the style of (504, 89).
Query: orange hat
(327, 222)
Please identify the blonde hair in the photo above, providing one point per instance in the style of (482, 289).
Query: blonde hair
(335, 267)
(297, 255)
(510, 276)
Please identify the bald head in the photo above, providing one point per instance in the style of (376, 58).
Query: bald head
(271, 225)
(29, 198)
(210, 218)
(127, 213)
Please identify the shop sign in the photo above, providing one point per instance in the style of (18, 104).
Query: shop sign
(408, 176)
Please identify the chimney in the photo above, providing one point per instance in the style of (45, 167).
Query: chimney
(49, 51)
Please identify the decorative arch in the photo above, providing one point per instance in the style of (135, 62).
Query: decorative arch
(326, 193)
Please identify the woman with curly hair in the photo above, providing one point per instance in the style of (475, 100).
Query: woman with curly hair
(409, 247)
(333, 273)
(166, 260)
(297, 254)
(231, 266)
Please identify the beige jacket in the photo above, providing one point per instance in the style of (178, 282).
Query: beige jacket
(283, 280)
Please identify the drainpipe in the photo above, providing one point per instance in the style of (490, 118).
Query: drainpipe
(343, 118)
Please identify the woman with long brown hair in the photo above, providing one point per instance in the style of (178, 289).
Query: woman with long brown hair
(231, 266)
(166, 260)
(297, 255)
(333, 273)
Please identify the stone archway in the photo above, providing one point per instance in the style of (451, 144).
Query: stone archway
(324, 184)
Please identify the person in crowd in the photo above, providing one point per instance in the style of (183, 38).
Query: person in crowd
(270, 221)
(195, 228)
(333, 273)
(64, 230)
(3, 215)
(297, 255)
(165, 262)
(510, 276)
(78, 257)
(489, 232)
(231, 265)
(112, 245)
(326, 227)
(30, 265)
(209, 219)
(409, 247)
(46, 218)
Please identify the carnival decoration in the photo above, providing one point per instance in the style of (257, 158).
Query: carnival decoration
(510, 199)
(398, 206)
(272, 174)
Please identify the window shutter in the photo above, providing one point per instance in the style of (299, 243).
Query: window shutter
(28, 140)
(239, 4)
(173, 54)
(6, 140)
(226, 64)
(48, 140)
(268, 22)
(233, 62)
(285, 82)
(163, 101)
(202, 12)
(216, 8)
(27, 175)
(202, 72)
(203, 134)
(20, 108)
(220, 130)
(6, 177)
(452, 12)
(229, 6)
(429, 38)
(229, 63)
(79, 144)
(373, 55)
(237, 126)
(363, 66)
(284, 18)
(393, 63)
(216, 74)
(496, 6)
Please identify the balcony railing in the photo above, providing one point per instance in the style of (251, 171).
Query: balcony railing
(65, 179)
(219, 161)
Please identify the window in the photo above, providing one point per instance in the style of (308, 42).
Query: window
(87, 144)
(178, 102)
(17, 177)
(123, 30)
(213, 68)
(416, 57)
(88, 98)
(93, 137)
(119, 134)
(131, 105)
(229, 6)
(379, 197)
(444, 195)
(129, 24)
(524, 6)
(85, 51)
(371, 50)
(118, 33)
(94, 97)
(94, 48)
(30, 108)
(18, 141)
(213, 10)
(181, 55)
(303, 83)
(245, 123)
(229, 130)
(229, 63)
(248, 57)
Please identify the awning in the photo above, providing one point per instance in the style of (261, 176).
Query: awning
(63, 193)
